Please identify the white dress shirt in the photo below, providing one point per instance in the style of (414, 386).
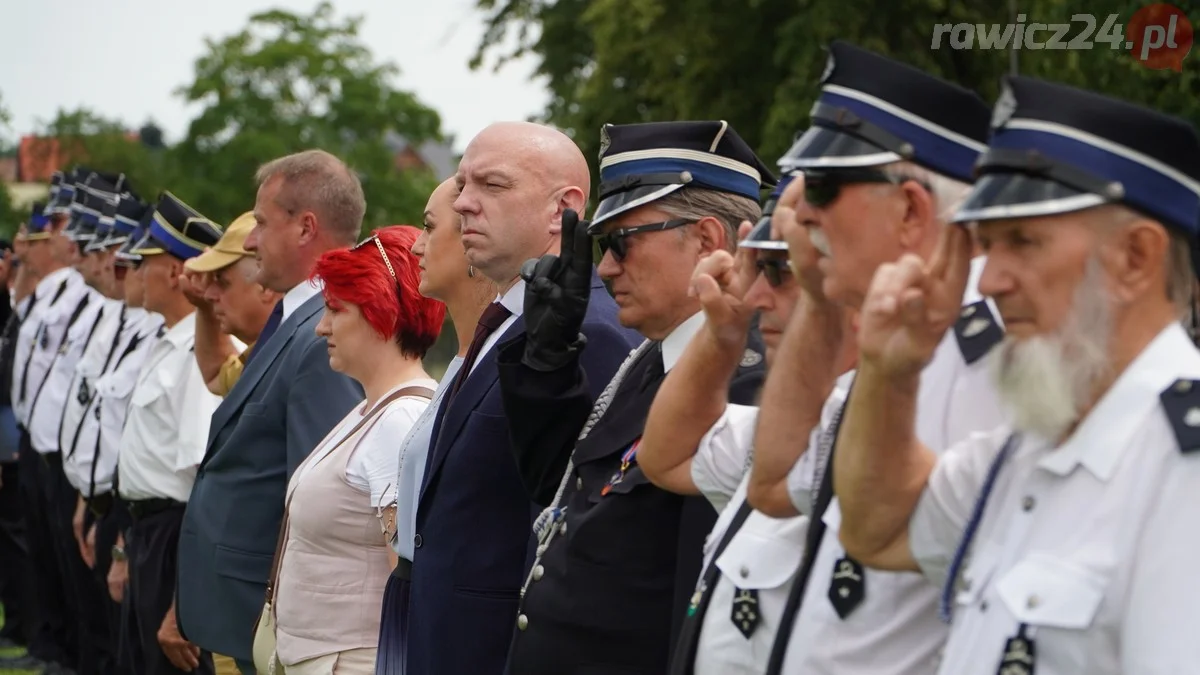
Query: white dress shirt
(1091, 544)
(764, 555)
(166, 429)
(76, 431)
(35, 347)
(410, 466)
(298, 295)
(92, 465)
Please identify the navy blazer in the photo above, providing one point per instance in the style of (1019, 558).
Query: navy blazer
(474, 540)
(282, 406)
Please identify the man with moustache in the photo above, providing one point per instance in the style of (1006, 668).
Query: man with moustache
(472, 546)
(229, 301)
(616, 556)
(1063, 540)
(888, 157)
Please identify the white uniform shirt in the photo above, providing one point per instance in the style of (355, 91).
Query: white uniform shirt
(1092, 545)
(166, 430)
(75, 431)
(763, 556)
(90, 468)
(60, 289)
(895, 630)
(372, 465)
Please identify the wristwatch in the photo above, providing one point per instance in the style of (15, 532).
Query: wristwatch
(118, 554)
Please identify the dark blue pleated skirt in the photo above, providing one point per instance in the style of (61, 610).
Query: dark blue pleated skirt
(393, 625)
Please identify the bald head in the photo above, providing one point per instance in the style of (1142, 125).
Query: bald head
(515, 181)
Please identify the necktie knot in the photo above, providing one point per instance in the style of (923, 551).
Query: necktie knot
(492, 317)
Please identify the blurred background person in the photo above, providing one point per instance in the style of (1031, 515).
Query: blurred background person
(445, 276)
(335, 557)
(222, 284)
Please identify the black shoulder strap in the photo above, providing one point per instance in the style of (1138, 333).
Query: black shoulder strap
(816, 533)
(684, 658)
(87, 297)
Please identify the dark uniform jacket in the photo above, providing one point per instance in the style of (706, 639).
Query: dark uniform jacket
(609, 594)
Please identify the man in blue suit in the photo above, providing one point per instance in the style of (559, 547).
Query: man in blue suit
(473, 544)
(285, 402)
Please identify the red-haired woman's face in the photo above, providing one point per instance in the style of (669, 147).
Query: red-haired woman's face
(440, 248)
(353, 344)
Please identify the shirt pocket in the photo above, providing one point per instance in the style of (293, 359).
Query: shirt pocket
(1050, 592)
(157, 384)
(758, 559)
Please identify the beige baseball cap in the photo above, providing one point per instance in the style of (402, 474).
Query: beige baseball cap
(228, 250)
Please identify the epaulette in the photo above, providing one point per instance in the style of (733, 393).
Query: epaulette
(977, 331)
(1181, 403)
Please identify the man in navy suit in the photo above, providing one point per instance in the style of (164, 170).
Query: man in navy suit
(285, 402)
(474, 539)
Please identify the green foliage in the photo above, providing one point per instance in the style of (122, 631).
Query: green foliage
(105, 145)
(757, 63)
(290, 82)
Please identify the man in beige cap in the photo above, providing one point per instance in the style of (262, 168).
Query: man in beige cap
(228, 302)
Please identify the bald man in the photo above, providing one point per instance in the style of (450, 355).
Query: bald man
(473, 543)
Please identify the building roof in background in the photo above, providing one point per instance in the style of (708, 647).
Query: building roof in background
(439, 156)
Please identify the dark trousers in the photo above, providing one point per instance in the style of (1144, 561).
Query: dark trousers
(51, 634)
(153, 548)
(14, 555)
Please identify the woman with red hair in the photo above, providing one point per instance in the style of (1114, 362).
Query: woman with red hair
(335, 557)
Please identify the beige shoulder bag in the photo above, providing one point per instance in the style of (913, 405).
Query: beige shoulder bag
(265, 659)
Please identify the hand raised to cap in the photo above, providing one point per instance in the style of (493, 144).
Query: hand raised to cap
(556, 297)
(912, 303)
(193, 285)
(720, 282)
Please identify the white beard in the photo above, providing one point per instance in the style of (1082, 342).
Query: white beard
(1047, 380)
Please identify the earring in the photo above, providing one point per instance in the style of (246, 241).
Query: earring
(471, 271)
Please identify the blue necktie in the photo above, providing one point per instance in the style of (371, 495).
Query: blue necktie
(268, 330)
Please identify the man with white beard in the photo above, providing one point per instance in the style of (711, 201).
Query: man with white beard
(1065, 541)
(886, 162)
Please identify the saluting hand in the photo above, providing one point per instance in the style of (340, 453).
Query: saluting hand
(790, 222)
(20, 242)
(911, 304)
(556, 297)
(720, 282)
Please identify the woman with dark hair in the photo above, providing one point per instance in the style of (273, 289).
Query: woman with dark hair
(334, 557)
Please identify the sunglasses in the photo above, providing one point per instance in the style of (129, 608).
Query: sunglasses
(823, 187)
(615, 241)
(774, 269)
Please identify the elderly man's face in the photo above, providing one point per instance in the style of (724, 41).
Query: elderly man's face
(1048, 281)
(650, 284)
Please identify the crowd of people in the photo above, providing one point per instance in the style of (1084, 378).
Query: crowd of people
(930, 408)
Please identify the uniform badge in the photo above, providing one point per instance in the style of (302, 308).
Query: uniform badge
(744, 613)
(694, 605)
(605, 141)
(1020, 654)
(977, 331)
(848, 587)
(627, 461)
(84, 394)
(750, 358)
(1005, 106)
(1181, 403)
(829, 67)
(43, 337)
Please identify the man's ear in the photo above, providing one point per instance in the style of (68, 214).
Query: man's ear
(570, 197)
(1138, 254)
(309, 228)
(712, 235)
(919, 220)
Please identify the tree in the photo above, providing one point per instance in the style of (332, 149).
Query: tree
(757, 63)
(290, 82)
(105, 145)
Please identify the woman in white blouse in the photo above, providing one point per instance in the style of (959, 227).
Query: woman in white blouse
(335, 560)
(446, 276)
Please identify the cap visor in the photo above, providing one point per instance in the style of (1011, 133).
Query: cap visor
(614, 205)
(760, 237)
(997, 196)
(823, 148)
(212, 260)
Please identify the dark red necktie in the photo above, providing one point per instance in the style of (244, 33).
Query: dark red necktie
(493, 317)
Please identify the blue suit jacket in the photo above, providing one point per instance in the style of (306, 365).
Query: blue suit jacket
(474, 539)
(284, 404)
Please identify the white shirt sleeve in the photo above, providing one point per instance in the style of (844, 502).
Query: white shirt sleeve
(376, 458)
(724, 454)
(937, 524)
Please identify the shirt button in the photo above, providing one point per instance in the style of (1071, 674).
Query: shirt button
(417, 541)
(562, 529)
(983, 606)
(745, 572)
(1033, 602)
(538, 573)
(1028, 503)
(578, 483)
(522, 622)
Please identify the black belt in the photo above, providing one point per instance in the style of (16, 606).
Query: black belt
(144, 508)
(51, 459)
(403, 570)
(101, 504)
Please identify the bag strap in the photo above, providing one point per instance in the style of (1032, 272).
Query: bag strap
(424, 392)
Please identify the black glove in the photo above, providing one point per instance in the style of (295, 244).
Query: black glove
(556, 298)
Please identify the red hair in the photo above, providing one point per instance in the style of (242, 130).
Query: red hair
(395, 309)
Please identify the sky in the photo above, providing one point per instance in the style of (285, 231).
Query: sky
(123, 59)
